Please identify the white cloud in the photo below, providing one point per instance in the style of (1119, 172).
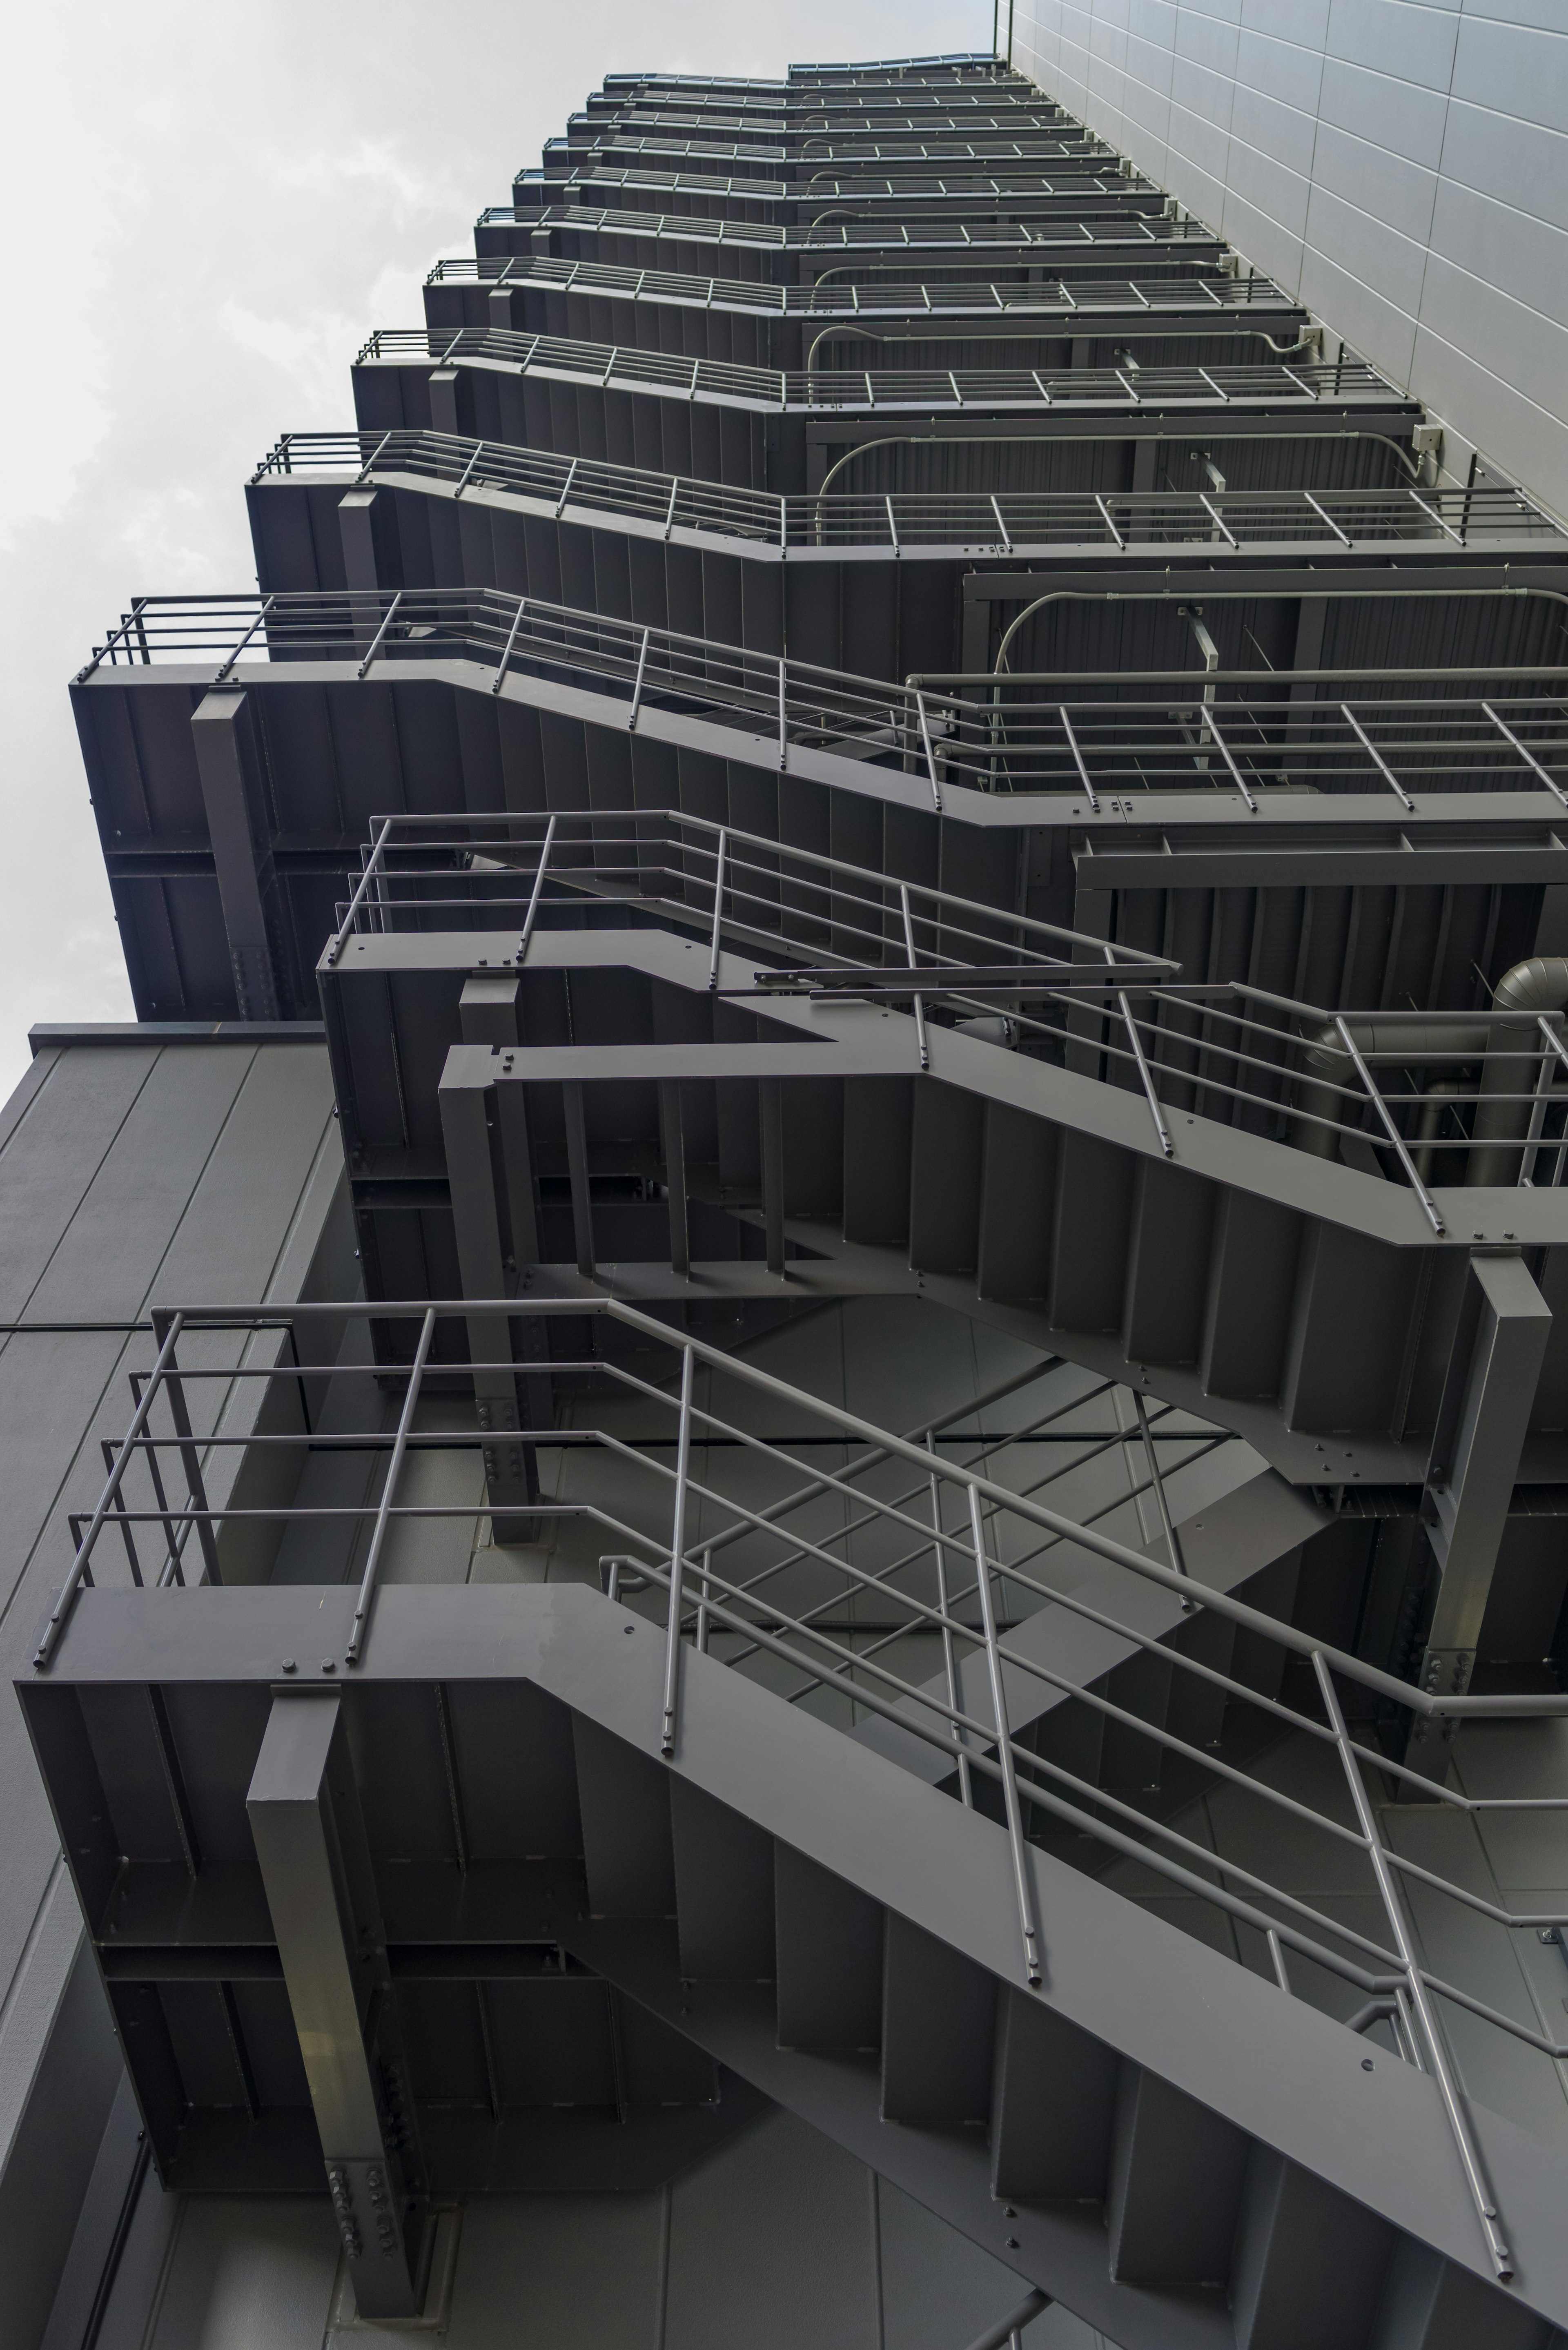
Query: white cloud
(209, 206)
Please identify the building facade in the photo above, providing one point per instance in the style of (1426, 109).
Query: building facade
(787, 1444)
(1400, 165)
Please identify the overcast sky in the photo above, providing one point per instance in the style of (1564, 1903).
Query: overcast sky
(210, 206)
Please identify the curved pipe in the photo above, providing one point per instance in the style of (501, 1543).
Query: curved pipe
(1537, 986)
(1332, 586)
(993, 440)
(837, 328)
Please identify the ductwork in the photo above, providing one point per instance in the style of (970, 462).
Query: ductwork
(1502, 1119)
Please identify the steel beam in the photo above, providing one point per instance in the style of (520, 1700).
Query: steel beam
(511, 1474)
(222, 731)
(355, 528)
(1493, 1370)
(305, 1816)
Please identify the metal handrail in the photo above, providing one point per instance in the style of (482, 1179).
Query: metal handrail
(878, 389)
(979, 521)
(826, 1654)
(1212, 290)
(1147, 741)
(714, 873)
(1113, 227)
(906, 944)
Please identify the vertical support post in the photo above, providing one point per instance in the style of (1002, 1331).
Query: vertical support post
(769, 1095)
(577, 1171)
(677, 1560)
(673, 1135)
(443, 400)
(1004, 1745)
(510, 1469)
(1493, 1371)
(309, 1835)
(356, 529)
(226, 763)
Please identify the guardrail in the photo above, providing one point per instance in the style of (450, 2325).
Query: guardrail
(1111, 228)
(971, 191)
(968, 522)
(952, 152)
(1419, 1097)
(1165, 732)
(1303, 381)
(1182, 288)
(963, 1550)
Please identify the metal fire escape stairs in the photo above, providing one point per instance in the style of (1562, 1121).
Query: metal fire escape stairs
(729, 895)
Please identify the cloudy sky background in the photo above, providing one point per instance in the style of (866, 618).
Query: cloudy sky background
(210, 206)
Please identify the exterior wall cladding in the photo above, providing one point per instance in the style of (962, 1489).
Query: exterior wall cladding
(1400, 167)
(786, 1452)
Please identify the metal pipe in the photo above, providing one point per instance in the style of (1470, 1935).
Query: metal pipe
(1503, 1112)
(1394, 1908)
(950, 1660)
(1014, 1810)
(678, 1563)
(1007, 2328)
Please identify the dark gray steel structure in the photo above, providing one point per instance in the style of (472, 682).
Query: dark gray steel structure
(956, 775)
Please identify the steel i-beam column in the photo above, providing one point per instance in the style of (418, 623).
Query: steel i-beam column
(221, 730)
(310, 1840)
(509, 1472)
(1504, 1322)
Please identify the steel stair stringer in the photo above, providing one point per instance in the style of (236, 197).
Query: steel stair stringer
(1060, 2247)
(1284, 2074)
(1109, 1310)
(1305, 2187)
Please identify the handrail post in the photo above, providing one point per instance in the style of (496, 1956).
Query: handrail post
(351, 1653)
(1390, 1129)
(511, 640)
(1004, 1747)
(950, 1659)
(636, 685)
(189, 1458)
(1393, 1909)
(783, 724)
(677, 1561)
(107, 1498)
(376, 641)
(339, 938)
(920, 999)
(529, 917)
(718, 908)
(930, 755)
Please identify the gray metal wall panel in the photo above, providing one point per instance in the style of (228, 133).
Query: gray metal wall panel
(1401, 166)
(781, 2239)
(133, 1170)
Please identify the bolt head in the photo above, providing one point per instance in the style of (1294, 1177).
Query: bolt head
(289, 1665)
